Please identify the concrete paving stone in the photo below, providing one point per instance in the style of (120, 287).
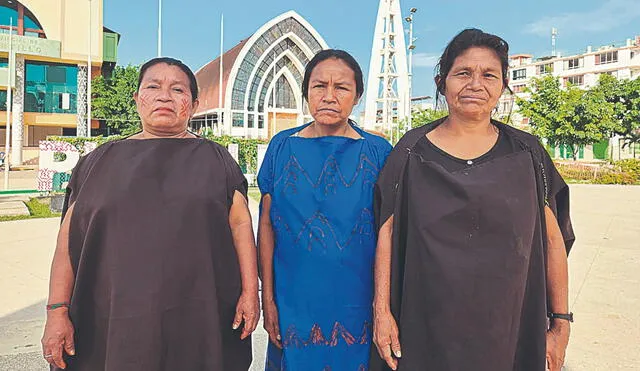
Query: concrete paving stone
(23, 362)
(600, 342)
(18, 180)
(580, 263)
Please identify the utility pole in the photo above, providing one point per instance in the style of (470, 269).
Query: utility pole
(7, 146)
(411, 47)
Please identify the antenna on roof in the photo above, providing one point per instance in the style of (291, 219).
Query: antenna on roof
(554, 34)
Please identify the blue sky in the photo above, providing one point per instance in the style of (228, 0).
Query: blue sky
(191, 29)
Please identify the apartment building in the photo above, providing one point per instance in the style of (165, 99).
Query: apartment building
(621, 60)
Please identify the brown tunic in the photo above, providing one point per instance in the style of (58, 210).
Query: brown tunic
(156, 272)
(468, 270)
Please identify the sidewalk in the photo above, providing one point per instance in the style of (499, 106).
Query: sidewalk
(604, 271)
(20, 180)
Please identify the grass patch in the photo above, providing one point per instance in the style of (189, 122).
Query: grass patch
(255, 194)
(7, 218)
(40, 209)
(37, 209)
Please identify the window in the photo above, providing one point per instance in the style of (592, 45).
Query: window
(575, 80)
(30, 25)
(4, 62)
(260, 121)
(545, 68)
(3, 100)
(608, 57)
(519, 88)
(285, 97)
(572, 64)
(250, 121)
(237, 120)
(265, 66)
(258, 49)
(50, 87)
(520, 74)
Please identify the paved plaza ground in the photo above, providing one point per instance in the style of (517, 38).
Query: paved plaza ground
(23, 180)
(604, 287)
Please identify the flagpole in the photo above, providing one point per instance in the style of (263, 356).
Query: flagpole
(159, 28)
(89, 78)
(7, 146)
(221, 77)
(273, 93)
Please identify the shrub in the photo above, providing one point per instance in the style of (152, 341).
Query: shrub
(572, 172)
(247, 148)
(611, 177)
(621, 172)
(629, 166)
(79, 142)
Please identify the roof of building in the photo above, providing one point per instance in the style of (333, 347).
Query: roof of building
(516, 56)
(208, 77)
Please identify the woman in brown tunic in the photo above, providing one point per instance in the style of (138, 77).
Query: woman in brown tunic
(155, 266)
(474, 234)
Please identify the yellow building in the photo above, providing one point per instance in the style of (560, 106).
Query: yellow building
(46, 54)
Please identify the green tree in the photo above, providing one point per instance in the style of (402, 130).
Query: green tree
(624, 95)
(572, 117)
(425, 116)
(112, 100)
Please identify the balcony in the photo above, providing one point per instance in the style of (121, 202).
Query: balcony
(110, 41)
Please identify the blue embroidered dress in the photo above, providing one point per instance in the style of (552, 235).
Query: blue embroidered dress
(322, 217)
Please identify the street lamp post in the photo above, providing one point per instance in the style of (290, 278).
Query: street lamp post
(89, 77)
(159, 28)
(411, 47)
(11, 68)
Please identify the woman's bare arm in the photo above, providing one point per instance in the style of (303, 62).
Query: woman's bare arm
(557, 292)
(58, 332)
(248, 308)
(62, 279)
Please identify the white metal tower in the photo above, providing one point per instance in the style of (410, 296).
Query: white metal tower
(387, 99)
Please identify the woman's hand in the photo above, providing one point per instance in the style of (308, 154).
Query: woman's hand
(557, 341)
(247, 310)
(385, 336)
(58, 337)
(271, 324)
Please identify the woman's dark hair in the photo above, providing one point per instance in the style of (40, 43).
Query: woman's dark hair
(471, 37)
(333, 54)
(193, 83)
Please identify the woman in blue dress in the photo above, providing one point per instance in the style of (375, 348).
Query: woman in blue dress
(316, 236)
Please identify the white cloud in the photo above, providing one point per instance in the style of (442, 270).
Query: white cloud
(425, 60)
(610, 14)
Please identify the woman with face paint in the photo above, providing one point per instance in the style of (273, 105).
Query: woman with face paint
(155, 266)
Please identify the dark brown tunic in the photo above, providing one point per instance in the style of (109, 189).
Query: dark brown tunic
(468, 270)
(156, 272)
